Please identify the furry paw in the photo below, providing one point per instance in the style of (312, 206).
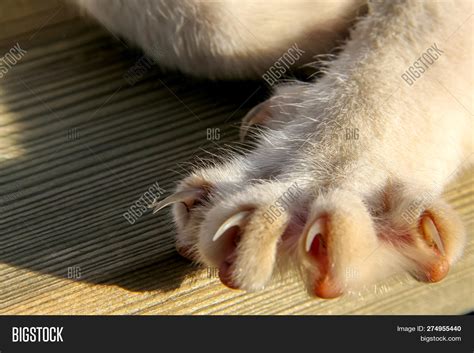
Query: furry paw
(312, 198)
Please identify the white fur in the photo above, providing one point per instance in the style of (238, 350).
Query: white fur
(412, 139)
(227, 38)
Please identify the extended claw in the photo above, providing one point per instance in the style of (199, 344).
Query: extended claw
(237, 219)
(431, 234)
(186, 197)
(318, 228)
(258, 115)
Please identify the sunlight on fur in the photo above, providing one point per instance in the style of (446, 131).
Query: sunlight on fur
(370, 144)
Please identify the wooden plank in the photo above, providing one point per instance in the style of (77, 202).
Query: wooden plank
(25, 19)
(78, 145)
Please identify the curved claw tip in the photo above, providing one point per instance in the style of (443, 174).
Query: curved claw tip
(257, 115)
(431, 232)
(237, 219)
(317, 228)
(185, 196)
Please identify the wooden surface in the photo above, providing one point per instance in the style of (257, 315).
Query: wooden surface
(79, 145)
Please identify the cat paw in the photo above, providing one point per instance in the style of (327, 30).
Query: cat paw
(310, 200)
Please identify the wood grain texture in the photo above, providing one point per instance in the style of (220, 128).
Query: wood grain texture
(79, 145)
